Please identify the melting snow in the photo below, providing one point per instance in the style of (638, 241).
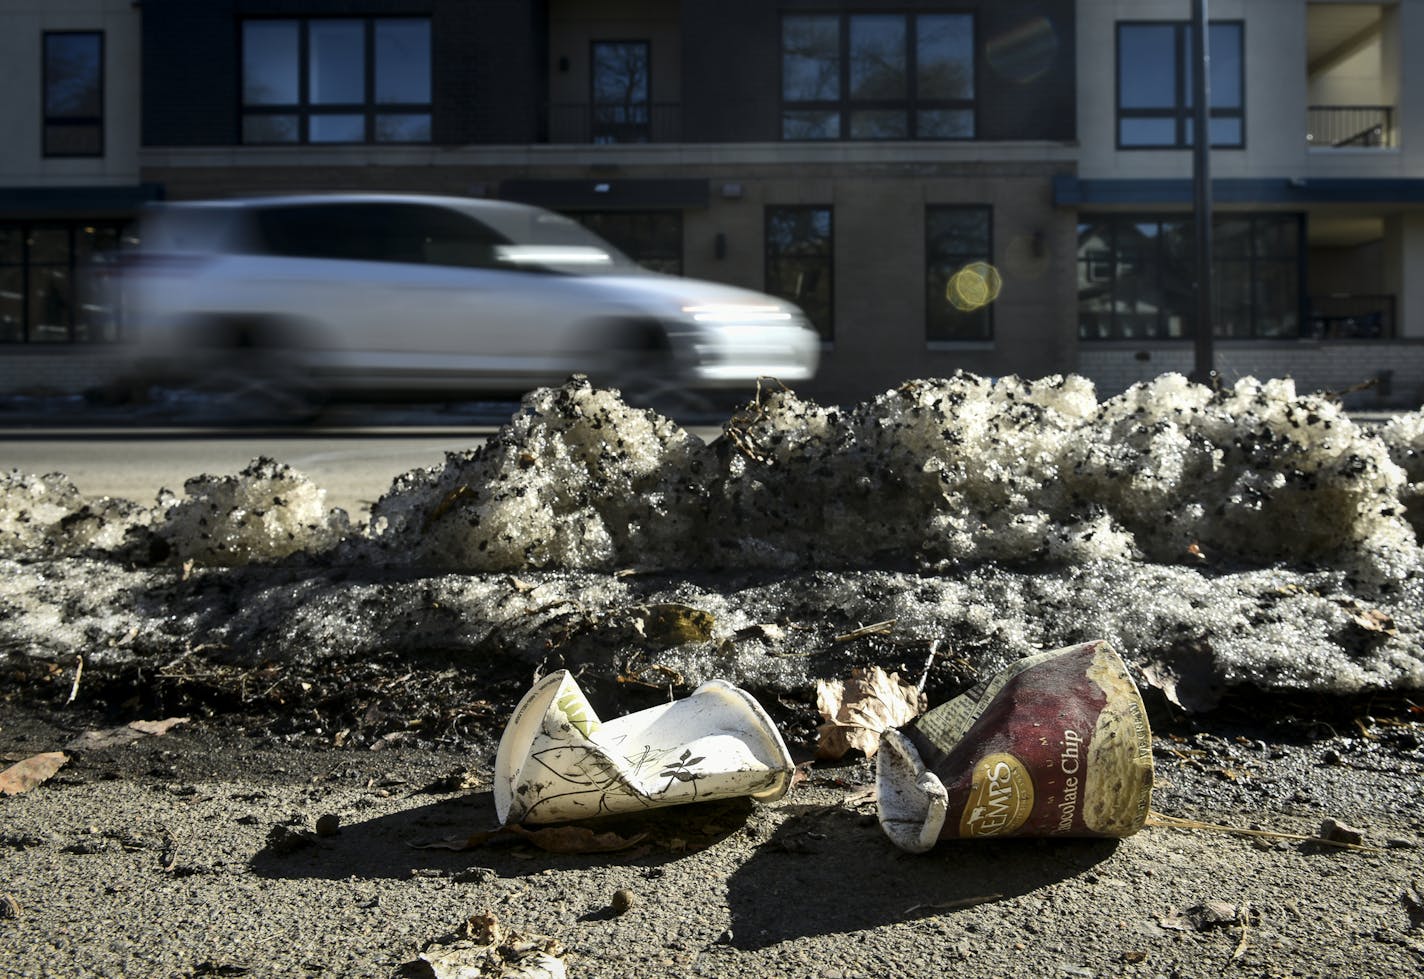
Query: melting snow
(1258, 531)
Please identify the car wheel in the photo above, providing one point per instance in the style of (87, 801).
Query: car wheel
(642, 366)
(244, 376)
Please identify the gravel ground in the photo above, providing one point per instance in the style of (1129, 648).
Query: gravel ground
(201, 852)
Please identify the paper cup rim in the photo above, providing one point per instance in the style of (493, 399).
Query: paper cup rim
(524, 725)
(778, 757)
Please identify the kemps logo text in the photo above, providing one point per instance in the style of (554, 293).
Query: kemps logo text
(1000, 798)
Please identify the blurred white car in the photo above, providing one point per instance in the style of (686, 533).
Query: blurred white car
(288, 299)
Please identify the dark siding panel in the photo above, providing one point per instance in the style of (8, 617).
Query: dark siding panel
(731, 54)
(490, 76)
(333, 8)
(189, 73)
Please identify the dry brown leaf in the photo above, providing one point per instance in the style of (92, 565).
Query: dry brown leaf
(576, 839)
(115, 736)
(857, 710)
(482, 946)
(672, 623)
(158, 728)
(35, 770)
(554, 839)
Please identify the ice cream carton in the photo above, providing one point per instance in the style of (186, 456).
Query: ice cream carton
(1056, 745)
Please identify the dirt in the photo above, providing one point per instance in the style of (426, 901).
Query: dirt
(196, 852)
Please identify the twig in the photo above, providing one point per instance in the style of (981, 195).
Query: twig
(964, 902)
(874, 628)
(929, 662)
(78, 674)
(1244, 917)
(1174, 822)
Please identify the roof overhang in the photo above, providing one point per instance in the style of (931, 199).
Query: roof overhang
(1071, 191)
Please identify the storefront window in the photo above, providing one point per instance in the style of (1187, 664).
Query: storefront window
(1136, 277)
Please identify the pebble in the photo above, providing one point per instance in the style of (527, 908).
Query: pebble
(1338, 832)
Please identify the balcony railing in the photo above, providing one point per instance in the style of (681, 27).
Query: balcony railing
(584, 122)
(1350, 125)
(1348, 316)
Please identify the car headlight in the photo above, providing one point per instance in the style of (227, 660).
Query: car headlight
(738, 313)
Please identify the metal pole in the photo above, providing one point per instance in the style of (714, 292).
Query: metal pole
(1203, 370)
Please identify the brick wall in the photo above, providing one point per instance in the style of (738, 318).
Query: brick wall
(1397, 367)
(45, 371)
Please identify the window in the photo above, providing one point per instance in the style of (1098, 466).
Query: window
(50, 278)
(961, 282)
(620, 92)
(653, 239)
(411, 233)
(73, 93)
(799, 261)
(336, 81)
(1155, 61)
(877, 76)
(1136, 277)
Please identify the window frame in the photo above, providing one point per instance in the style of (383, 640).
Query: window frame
(82, 270)
(370, 109)
(599, 130)
(48, 120)
(844, 105)
(1250, 262)
(963, 260)
(1181, 112)
(826, 330)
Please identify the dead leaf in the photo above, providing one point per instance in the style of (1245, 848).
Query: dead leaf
(36, 770)
(576, 839)
(158, 728)
(761, 632)
(115, 736)
(552, 839)
(858, 710)
(672, 624)
(1186, 673)
(483, 947)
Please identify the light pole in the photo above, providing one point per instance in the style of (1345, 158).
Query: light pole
(1202, 370)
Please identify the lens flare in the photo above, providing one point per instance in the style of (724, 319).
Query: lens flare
(1024, 52)
(973, 287)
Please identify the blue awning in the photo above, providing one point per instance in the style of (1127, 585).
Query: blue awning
(1071, 191)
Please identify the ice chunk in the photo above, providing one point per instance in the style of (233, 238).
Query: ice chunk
(577, 479)
(47, 516)
(265, 513)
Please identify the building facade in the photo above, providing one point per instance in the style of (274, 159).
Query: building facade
(1000, 186)
(1317, 128)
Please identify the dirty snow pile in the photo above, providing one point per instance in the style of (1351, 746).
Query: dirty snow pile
(1251, 535)
(928, 475)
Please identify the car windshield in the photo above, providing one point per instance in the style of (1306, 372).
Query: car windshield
(545, 240)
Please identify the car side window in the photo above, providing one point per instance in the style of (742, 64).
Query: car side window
(377, 232)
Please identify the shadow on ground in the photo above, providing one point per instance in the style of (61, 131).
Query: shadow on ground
(830, 870)
(442, 838)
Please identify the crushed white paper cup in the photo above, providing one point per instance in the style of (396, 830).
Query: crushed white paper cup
(557, 762)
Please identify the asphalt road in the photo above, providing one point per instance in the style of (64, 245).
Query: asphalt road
(354, 465)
